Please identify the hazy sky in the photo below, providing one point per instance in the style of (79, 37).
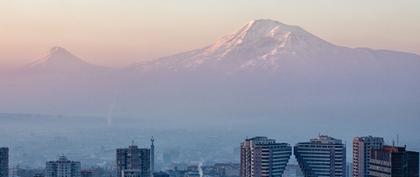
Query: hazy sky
(119, 32)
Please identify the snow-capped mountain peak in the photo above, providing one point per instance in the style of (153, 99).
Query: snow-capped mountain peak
(258, 44)
(265, 34)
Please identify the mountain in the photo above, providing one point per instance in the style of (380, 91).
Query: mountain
(266, 78)
(267, 71)
(270, 46)
(61, 61)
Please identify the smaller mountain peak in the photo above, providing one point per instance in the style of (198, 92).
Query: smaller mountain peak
(60, 59)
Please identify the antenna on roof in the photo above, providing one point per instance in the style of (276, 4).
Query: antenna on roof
(398, 138)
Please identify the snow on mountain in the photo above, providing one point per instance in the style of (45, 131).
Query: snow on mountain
(271, 46)
(258, 44)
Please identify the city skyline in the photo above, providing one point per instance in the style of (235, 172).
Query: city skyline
(260, 157)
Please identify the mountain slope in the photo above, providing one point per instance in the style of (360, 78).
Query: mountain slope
(60, 60)
(272, 46)
(266, 69)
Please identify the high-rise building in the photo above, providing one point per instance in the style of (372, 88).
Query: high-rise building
(4, 162)
(323, 156)
(133, 159)
(263, 157)
(62, 168)
(362, 147)
(391, 161)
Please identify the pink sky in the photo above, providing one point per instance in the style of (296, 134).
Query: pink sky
(117, 33)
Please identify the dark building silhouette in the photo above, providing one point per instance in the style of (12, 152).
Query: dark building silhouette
(323, 156)
(134, 161)
(391, 161)
(263, 157)
(160, 174)
(4, 162)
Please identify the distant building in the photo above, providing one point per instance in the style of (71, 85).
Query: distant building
(192, 174)
(131, 173)
(62, 168)
(133, 159)
(160, 174)
(391, 161)
(227, 169)
(86, 173)
(263, 157)
(323, 156)
(362, 146)
(38, 175)
(4, 162)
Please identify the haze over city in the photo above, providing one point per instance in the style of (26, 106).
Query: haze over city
(209, 88)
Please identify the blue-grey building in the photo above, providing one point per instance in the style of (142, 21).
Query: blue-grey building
(62, 168)
(263, 157)
(322, 157)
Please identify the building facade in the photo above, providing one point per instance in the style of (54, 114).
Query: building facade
(133, 159)
(62, 168)
(322, 157)
(4, 162)
(86, 173)
(362, 147)
(391, 161)
(160, 174)
(131, 173)
(263, 157)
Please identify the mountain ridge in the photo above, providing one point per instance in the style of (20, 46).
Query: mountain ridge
(263, 44)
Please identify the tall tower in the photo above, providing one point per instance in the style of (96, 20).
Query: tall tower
(152, 156)
(362, 148)
(323, 156)
(263, 157)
